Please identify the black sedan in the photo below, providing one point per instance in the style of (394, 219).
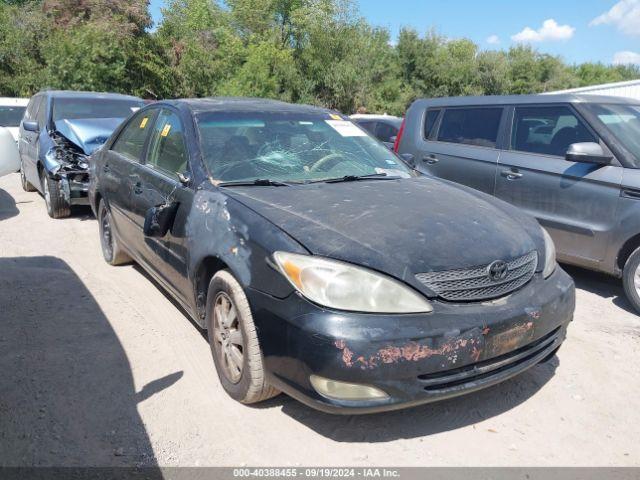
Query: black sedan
(319, 263)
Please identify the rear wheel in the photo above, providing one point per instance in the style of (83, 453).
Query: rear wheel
(631, 279)
(57, 205)
(26, 186)
(111, 251)
(234, 341)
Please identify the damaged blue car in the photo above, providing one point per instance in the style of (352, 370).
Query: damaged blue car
(59, 131)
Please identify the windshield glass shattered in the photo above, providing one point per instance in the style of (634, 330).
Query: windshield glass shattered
(290, 148)
(76, 108)
(624, 122)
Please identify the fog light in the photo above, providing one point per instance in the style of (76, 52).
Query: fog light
(336, 390)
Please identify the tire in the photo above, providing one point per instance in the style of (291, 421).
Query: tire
(26, 186)
(57, 206)
(111, 250)
(631, 279)
(236, 333)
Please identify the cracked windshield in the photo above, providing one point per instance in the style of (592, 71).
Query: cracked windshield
(293, 149)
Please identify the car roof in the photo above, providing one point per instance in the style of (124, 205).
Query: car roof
(79, 94)
(523, 99)
(11, 101)
(243, 104)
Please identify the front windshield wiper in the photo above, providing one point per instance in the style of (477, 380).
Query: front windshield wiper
(355, 178)
(260, 182)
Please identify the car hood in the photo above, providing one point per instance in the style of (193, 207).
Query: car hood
(88, 134)
(401, 227)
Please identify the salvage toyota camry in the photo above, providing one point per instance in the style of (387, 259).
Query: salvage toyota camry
(319, 263)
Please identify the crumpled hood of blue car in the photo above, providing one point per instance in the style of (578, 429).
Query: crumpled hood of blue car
(88, 134)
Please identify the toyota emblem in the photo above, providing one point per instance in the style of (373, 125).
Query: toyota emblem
(498, 270)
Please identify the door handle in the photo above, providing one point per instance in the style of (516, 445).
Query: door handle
(137, 189)
(511, 174)
(431, 159)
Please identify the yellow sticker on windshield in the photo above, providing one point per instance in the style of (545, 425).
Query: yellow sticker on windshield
(335, 117)
(165, 130)
(144, 122)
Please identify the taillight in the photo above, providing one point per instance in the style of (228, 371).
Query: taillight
(396, 145)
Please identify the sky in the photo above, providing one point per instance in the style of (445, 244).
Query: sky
(607, 31)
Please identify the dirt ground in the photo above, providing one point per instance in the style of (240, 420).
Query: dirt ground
(99, 367)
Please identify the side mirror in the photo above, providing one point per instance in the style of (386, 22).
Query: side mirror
(409, 159)
(587, 152)
(159, 220)
(30, 126)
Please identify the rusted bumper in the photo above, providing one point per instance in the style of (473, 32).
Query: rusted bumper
(415, 359)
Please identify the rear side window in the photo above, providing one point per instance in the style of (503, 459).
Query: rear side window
(167, 150)
(385, 132)
(131, 141)
(547, 130)
(430, 122)
(471, 126)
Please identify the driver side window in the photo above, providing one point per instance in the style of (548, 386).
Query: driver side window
(167, 150)
(547, 130)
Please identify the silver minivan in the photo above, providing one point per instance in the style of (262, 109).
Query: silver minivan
(572, 161)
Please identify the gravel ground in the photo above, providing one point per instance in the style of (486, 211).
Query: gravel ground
(100, 367)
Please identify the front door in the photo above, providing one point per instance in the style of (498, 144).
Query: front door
(162, 181)
(575, 202)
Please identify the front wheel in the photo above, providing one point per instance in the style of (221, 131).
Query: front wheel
(631, 279)
(57, 205)
(234, 341)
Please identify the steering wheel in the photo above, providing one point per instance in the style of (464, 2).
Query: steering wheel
(331, 158)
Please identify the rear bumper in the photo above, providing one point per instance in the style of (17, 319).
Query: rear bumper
(415, 359)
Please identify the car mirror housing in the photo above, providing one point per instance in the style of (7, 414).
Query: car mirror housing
(159, 220)
(30, 126)
(587, 152)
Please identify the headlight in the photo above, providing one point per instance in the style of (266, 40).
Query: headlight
(342, 286)
(549, 255)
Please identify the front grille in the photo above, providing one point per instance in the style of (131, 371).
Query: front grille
(480, 371)
(475, 284)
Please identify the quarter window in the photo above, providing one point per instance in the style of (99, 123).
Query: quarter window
(471, 126)
(131, 141)
(430, 122)
(167, 150)
(547, 130)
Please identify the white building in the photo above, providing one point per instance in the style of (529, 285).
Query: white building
(630, 89)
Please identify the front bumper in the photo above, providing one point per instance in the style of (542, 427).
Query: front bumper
(75, 185)
(415, 359)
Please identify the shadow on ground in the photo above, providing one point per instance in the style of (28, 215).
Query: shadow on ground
(600, 284)
(8, 207)
(67, 393)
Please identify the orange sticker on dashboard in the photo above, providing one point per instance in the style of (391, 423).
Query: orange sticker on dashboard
(165, 130)
(335, 117)
(144, 122)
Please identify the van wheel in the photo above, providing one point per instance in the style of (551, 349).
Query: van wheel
(57, 206)
(26, 186)
(111, 251)
(234, 342)
(631, 279)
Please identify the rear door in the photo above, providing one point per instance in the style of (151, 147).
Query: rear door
(158, 184)
(575, 202)
(119, 173)
(461, 144)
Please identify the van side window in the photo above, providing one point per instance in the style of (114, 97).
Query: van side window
(547, 130)
(430, 122)
(471, 126)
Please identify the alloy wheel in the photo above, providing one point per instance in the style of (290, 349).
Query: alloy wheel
(45, 190)
(106, 238)
(228, 337)
(636, 280)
